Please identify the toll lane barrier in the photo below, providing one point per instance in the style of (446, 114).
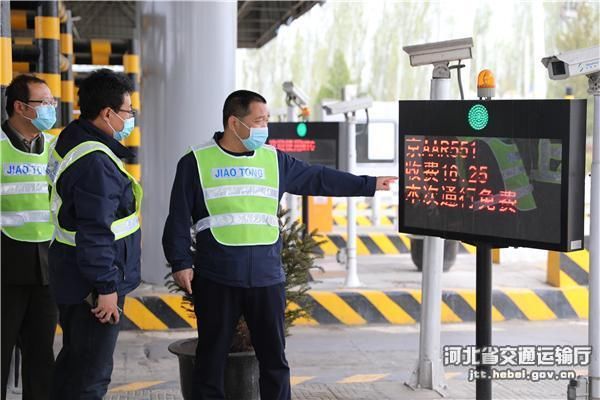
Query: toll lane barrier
(374, 243)
(569, 269)
(361, 307)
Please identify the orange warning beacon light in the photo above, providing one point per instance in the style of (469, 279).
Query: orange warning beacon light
(486, 84)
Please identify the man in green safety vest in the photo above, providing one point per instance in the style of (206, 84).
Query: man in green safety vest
(227, 192)
(95, 256)
(28, 310)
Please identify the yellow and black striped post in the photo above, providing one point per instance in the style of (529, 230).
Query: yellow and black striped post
(47, 35)
(67, 86)
(5, 54)
(101, 52)
(22, 20)
(131, 65)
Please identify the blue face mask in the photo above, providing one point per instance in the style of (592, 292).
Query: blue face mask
(128, 125)
(258, 137)
(46, 117)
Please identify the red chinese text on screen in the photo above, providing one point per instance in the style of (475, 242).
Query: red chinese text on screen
(433, 176)
(294, 145)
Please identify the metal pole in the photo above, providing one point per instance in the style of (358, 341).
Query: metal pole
(429, 373)
(292, 200)
(483, 319)
(376, 212)
(351, 267)
(594, 283)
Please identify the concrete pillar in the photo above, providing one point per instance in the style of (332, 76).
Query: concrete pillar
(188, 68)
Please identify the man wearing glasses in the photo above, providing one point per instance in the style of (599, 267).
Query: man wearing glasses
(95, 256)
(28, 311)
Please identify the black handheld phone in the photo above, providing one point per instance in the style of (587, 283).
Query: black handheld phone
(92, 300)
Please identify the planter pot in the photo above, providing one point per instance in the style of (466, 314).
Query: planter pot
(416, 252)
(241, 373)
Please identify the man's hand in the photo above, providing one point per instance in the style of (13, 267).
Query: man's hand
(184, 279)
(384, 182)
(107, 308)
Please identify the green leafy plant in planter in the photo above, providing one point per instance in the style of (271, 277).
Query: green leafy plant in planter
(298, 255)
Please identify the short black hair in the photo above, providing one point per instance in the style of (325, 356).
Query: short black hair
(18, 89)
(238, 104)
(100, 89)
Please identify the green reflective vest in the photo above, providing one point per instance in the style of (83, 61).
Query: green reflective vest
(241, 195)
(549, 162)
(121, 228)
(513, 172)
(24, 197)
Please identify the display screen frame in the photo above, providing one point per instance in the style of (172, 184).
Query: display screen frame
(315, 131)
(518, 119)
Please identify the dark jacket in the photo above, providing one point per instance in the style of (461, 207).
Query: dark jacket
(23, 263)
(243, 266)
(95, 193)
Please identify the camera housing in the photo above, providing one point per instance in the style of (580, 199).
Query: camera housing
(293, 92)
(440, 52)
(573, 63)
(344, 107)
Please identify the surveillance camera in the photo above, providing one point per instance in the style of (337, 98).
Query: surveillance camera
(294, 93)
(573, 63)
(344, 107)
(440, 52)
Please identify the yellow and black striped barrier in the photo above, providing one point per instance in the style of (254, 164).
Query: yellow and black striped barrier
(47, 35)
(366, 244)
(361, 307)
(6, 71)
(363, 220)
(342, 206)
(101, 52)
(374, 243)
(22, 20)
(569, 269)
(131, 66)
(67, 83)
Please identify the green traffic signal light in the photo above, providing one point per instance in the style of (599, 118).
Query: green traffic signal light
(301, 129)
(478, 117)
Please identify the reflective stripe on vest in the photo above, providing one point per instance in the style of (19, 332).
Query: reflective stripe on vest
(241, 190)
(121, 228)
(235, 219)
(24, 188)
(25, 208)
(548, 154)
(18, 218)
(241, 195)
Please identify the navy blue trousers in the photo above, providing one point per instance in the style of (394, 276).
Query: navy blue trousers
(85, 362)
(218, 309)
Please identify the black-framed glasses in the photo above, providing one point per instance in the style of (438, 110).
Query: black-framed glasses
(45, 102)
(132, 113)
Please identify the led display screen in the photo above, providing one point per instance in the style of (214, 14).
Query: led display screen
(313, 142)
(504, 172)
